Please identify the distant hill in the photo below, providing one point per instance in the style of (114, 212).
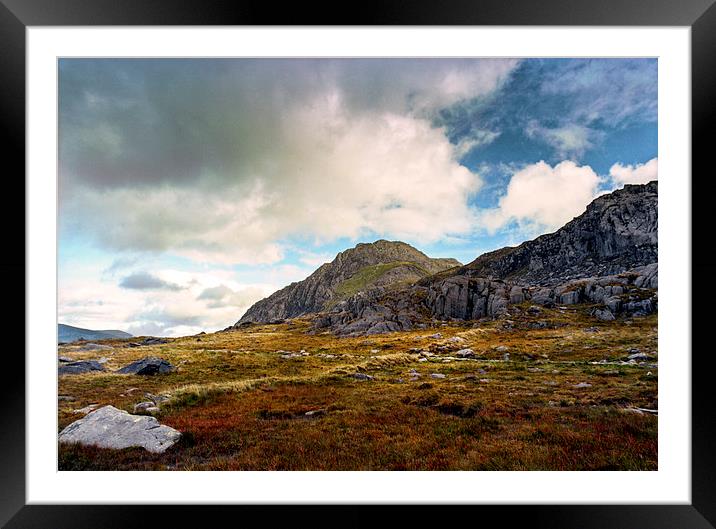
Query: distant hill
(387, 264)
(67, 334)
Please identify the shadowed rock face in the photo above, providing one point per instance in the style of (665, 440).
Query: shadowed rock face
(607, 255)
(109, 427)
(378, 264)
(616, 233)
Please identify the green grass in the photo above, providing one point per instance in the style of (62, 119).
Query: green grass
(368, 275)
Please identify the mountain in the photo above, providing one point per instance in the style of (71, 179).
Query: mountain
(384, 264)
(67, 334)
(618, 231)
(606, 256)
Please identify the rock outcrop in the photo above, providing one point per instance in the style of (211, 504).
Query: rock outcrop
(147, 366)
(607, 256)
(109, 427)
(616, 233)
(384, 264)
(79, 367)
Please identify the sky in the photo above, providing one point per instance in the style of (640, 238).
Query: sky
(191, 188)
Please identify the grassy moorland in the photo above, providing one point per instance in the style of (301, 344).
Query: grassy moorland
(544, 391)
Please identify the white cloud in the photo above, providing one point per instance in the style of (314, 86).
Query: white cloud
(570, 140)
(540, 197)
(247, 153)
(333, 174)
(477, 138)
(635, 174)
(87, 301)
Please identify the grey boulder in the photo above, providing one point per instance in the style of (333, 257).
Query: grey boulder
(109, 427)
(604, 314)
(150, 365)
(77, 368)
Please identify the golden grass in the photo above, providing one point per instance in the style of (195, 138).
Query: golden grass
(241, 405)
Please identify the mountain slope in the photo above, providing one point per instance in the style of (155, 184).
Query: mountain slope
(618, 231)
(607, 255)
(386, 264)
(67, 334)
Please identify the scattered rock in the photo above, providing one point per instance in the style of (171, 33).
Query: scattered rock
(77, 368)
(109, 427)
(457, 339)
(361, 376)
(638, 356)
(157, 399)
(147, 406)
(583, 385)
(68, 398)
(149, 341)
(64, 359)
(147, 366)
(465, 353)
(315, 413)
(604, 315)
(437, 375)
(94, 347)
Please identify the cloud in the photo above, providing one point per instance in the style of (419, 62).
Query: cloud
(147, 281)
(540, 197)
(571, 105)
(120, 263)
(635, 174)
(222, 296)
(88, 301)
(477, 138)
(314, 259)
(568, 141)
(243, 153)
(614, 92)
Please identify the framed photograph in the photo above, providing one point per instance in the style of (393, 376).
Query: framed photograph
(411, 258)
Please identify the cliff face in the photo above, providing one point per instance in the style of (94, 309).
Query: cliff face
(617, 232)
(385, 264)
(607, 256)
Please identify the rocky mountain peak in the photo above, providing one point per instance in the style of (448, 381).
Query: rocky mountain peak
(367, 265)
(607, 255)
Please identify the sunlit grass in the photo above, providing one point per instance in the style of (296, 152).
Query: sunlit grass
(241, 397)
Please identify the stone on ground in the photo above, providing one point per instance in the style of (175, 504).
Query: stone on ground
(109, 427)
(149, 365)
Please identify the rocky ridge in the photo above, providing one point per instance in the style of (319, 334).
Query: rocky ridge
(607, 256)
(382, 264)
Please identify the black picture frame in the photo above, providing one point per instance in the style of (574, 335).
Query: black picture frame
(699, 15)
